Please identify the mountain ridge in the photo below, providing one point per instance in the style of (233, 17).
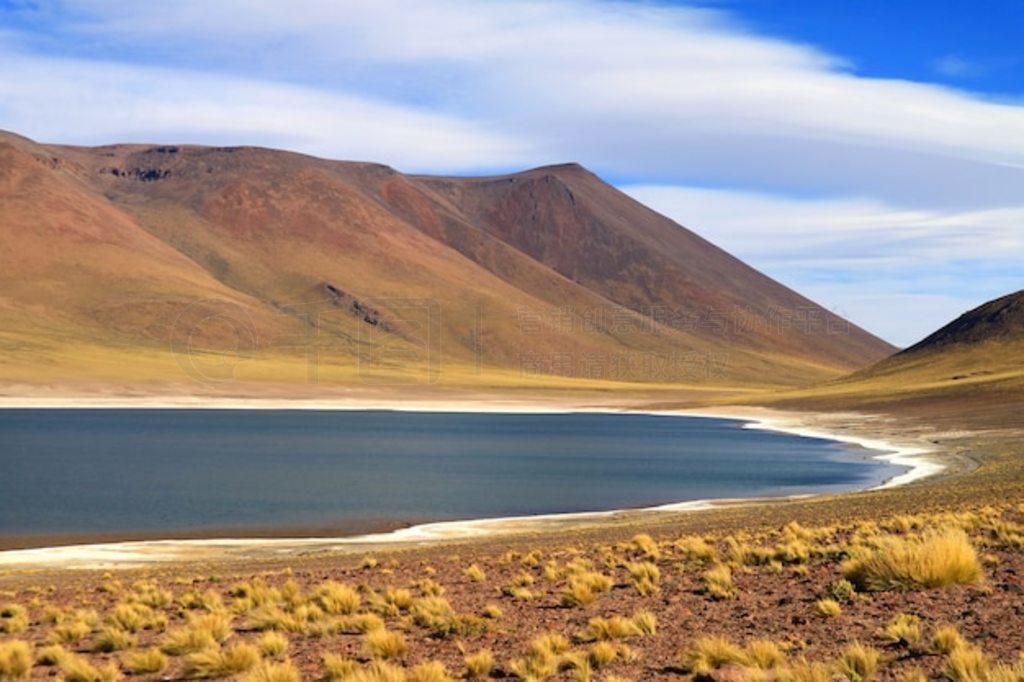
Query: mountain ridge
(547, 272)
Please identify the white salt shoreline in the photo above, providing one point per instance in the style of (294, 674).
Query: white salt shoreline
(131, 554)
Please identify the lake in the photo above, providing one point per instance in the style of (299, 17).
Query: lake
(71, 471)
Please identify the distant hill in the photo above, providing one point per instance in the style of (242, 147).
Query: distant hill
(165, 262)
(975, 363)
(998, 321)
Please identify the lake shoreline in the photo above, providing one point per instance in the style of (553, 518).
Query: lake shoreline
(852, 428)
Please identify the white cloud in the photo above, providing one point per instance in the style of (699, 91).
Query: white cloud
(632, 89)
(956, 66)
(83, 102)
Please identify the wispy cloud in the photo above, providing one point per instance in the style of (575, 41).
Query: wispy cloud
(957, 67)
(643, 93)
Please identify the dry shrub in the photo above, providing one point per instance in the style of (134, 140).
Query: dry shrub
(144, 662)
(15, 660)
(214, 663)
(935, 559)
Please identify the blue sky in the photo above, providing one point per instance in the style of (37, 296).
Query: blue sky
(869, 154)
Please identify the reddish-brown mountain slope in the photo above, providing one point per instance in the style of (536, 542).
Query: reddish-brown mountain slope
(144, 250)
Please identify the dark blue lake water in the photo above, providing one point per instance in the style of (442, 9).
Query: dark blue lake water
(110, 471)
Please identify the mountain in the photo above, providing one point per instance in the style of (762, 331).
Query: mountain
(134, 263)
(973, 364)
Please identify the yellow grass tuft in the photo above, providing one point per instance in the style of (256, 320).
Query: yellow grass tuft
(51, 655)
(15, 660)
(338, 668)
(431, 671)
(378, 671)
(134, 616)
(644, 577)
(479, 665)
(475, 574)
(69, 632)
(77, 669)
(858, 662)
(542, 657)
(578, 665)
(13, 619)
(967, 663)
(215, 663)
(764, 654)
(272, 644)
(605, 629)
(112, 639)
(201, 632)
(431, 612)
(384, 644)
(711, 653)
(935, 559)
(273, 672)
(646, 622)
(646, 545)
(947, 639)
(718, 582)
(336, 598)
(144, 662)
(829, 608)
(903, 629)
(695, 549)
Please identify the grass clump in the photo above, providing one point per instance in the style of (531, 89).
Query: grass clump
(202, 632)
(542, 657)
(337, 599)
(51, 655)
(15, 660)
(215, 663)
(13, 619)
(644, 577)
(764, 654)
(273, 672)
(431, 671)
(842, 590)
(69, 632)
(967, 663)
(77, 669)
(605, 629)
(133, 617)
(144, 662)
(829, 608)
(858, 662)
(646, 545)
(577, 594)
(475, 574)
(272, 644)
(112, 639)
(936, 559)
(947, 639)
(338, 668)
(646, 622)
(903, 629)
(708, 654)
(718, 582)
(384, 644)
(479, 664)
